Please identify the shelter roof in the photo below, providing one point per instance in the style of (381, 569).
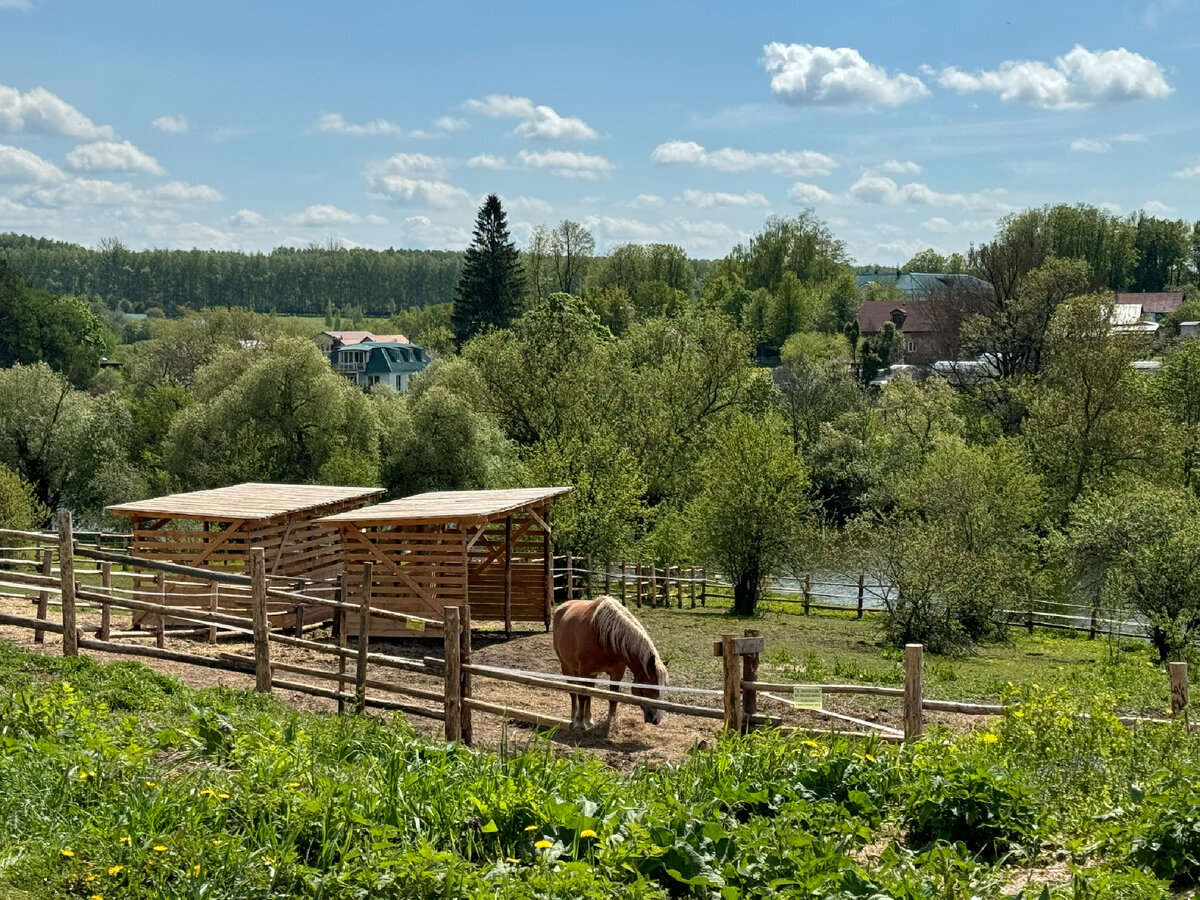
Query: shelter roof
(449, 506)
(251, 500)
(916, 315)
(1154, 302)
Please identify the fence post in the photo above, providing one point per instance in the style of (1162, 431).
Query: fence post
(66, 570)
(587, 577)
(733, 702)
(1093, 624)
(749, 673)
(1029, 615)
(637, 584)
(258, 611)
(861, 587)
(692, 586)
(160, 635)
(607, 576)
(452, 698)
(339, 626)
(1177, 673)
(508, 556)
(624, 579)
(679, 589)
(703, 586)
(807, 591)
(653, 586)
(364, 639)
(105, 608)
(464, 658)
(43, 600)
(570, 577)
(214, 604)
(914, 715)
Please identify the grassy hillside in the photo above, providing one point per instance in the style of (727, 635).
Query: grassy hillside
(117, 782)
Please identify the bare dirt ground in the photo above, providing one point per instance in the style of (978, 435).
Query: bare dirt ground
(632, 742)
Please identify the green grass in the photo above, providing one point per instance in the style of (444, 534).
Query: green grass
(118, 782)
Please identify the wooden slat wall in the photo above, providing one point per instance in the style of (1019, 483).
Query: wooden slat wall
(528, 580)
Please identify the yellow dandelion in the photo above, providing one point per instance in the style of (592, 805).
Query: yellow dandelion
(195, 870)
(269, 860)
(587, 832)
(990, 738)
(217, 842)
(808, 743)
(868, 757)
(207, 793)
(543, 844)
(96, 897)
(293, 784)
(88, 879)
(115, 870)
(531, 828)
(222, 796)
(67, 852)
(512, 859)
(159, 848)
(151, 784)
(126, 840)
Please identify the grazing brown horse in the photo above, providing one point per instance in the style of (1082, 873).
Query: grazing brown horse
(601, 635)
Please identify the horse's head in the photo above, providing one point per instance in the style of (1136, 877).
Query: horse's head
(656, 673)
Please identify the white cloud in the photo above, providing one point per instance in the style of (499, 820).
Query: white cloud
(170, 124)
(566, 163)
(14, 4)
(618, 229)
(1078, 79)
(189, 235)
(882, 190)
(709, 199)
(804, 75)
(903, 247)
(487, 161)
(1131, 138)
(229, 133)
(798, 163)
(247, 218)
(335, 123)
(404, 191)
(1189, 171)
(85, 192)
(1090, 145)
(449, 123)
(410, 164)
(112, 156)
(182, 192)
(532, 205)
(647, 201)
(21, 165)
(423, 232)
(323, 214)
(809, 194)
(898, 167)
(41, 112)
(1154, 208)
(372, 219)
(938, 225)
(537, 122)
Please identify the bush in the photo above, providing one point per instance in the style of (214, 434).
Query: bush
(1164, 832)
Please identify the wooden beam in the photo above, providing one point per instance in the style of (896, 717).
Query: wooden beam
(212, 547)
(495, 555)
(508, 543)
(741, 645)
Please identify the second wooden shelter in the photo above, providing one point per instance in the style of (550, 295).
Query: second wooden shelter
(488, 549)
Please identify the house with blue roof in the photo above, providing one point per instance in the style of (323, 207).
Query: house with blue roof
(379, 362)
(924, 285)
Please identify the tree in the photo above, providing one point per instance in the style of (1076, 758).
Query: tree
(19, 508)
(538, 282)
(489, 288)
(752, 505)
(881, 350)
(571, 249)
(1162, 249)
(804, 246)
(790, 310)
(926, 261)
(1176, 391)
(815, 384)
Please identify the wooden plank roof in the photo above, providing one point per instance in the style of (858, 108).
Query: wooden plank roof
(449, 506)
(251, 500)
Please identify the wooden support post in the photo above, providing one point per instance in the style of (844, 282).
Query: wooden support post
(339, 625)
(299, 626)
(749, 673)
(862, 577)
(364, 639)
(214, 604)
(732, 695)
(807, 591)
(1029, 615)
(452, 702)
(692, 575)
(464, 658)
(258, 614)
(703, 587)
(570, 566)
(66, 569)
(1093, 625)
(105, 608)
(637, 585)
(1178, 674)
(914, 714)
(587, 577)
(508, 576)
(43, 600)
(160, 586)
(624, 579)
(607, 580)
(547, 571)
(653, 586)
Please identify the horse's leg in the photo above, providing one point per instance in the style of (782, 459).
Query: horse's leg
(614, 685)
(576, 704)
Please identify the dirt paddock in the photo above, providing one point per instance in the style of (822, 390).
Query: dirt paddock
(632, 742)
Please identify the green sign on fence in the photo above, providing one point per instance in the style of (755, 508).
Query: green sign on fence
(806, 696)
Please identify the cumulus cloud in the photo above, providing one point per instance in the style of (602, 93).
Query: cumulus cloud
(411, 164)
(84, 192)
(809, 194)
(324, 214)
(647, 201)
(880, 189)
(797, 163)
(487, 161)
(1078, 79)
(938, 224)
(404, 191)
(709, 199)
(421, 231)
(898, 167)
(533, 205)
(170, 124)
(335, 123)
(804, 75)
(566, 163)
(182, 192)
(623, 229)
(1192, 171)
(41, 112)
(112, 156)
(14, 4)
(247, 218)
(1090, 145)
(1130, 138)
(189, 235)
(537, 122)
(1155, 208)
(449, 123)
(24, 166)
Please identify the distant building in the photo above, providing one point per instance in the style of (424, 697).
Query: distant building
(924, 285)
(1155, 306)
(1132, 317)
(368, 363)
(331, 340)
(1189, 329)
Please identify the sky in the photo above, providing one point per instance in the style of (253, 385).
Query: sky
(245, 126)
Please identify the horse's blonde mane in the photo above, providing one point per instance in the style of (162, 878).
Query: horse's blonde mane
(619, 630)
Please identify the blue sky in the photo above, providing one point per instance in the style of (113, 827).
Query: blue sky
(904, 125)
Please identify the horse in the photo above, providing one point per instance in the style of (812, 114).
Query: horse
(601, 635)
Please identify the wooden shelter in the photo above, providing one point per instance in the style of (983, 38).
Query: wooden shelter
(216, 529)
(488, 549)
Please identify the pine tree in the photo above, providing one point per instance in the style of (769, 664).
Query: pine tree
(489, 289)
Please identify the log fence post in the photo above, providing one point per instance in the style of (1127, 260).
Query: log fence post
(66, 571)
(214, 604)
(914, 714)
(105, 608)
(464, 658)
(607, 576)
(637, 584)
(364, 639)
(43, 600)
(862, 576)
(732, 692)
(570, 576)
(160, 586)
(452, 697)
(624, 579)
(807, 591)
(339, 627)
(258, 612)
(653, 586)
(749, 673)
(692, 587)
(508, 574)
(587, 577)
(1178, 675)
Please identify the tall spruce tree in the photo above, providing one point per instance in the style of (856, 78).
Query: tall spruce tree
(489, 288)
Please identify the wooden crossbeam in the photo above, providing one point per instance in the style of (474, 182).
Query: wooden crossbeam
(225, 536)
(500, 551)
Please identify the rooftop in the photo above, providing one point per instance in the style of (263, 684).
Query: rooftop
(874, 313)
(449, 506)
(1154, 302)
(251, 500)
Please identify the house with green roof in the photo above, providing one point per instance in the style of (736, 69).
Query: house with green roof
(379, 362)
